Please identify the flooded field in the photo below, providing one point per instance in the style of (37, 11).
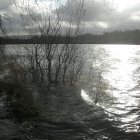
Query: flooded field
(103, 107)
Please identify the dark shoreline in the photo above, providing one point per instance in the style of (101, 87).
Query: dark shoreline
(103, 43)
(116, 37)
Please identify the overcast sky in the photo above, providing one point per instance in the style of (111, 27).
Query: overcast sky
(99, 16)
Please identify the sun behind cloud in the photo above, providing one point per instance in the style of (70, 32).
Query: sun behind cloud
(122, 5)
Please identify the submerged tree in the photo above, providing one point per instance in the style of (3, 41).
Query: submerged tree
(49, 61)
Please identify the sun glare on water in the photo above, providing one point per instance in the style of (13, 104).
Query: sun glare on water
(120, 76)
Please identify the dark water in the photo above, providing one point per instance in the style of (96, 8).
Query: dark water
(73, 115)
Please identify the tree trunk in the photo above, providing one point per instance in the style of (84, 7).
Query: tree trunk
(57, 73)
(49, 71)
(64, 75)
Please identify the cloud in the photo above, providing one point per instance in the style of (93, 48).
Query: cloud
(5, 3)
(97, 16)
(103, 16)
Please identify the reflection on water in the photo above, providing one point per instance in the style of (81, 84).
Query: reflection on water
(121, 76)
(124, 110)
(86, 97)
(112, 84)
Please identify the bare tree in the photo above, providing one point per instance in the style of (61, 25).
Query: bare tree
(50, 61)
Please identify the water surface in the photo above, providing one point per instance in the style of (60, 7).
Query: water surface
(122, 76)
(112, 75)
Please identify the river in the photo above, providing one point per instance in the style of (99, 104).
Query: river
(122, 75)
(116, 114)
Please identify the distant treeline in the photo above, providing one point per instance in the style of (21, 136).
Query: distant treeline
(116, 37)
